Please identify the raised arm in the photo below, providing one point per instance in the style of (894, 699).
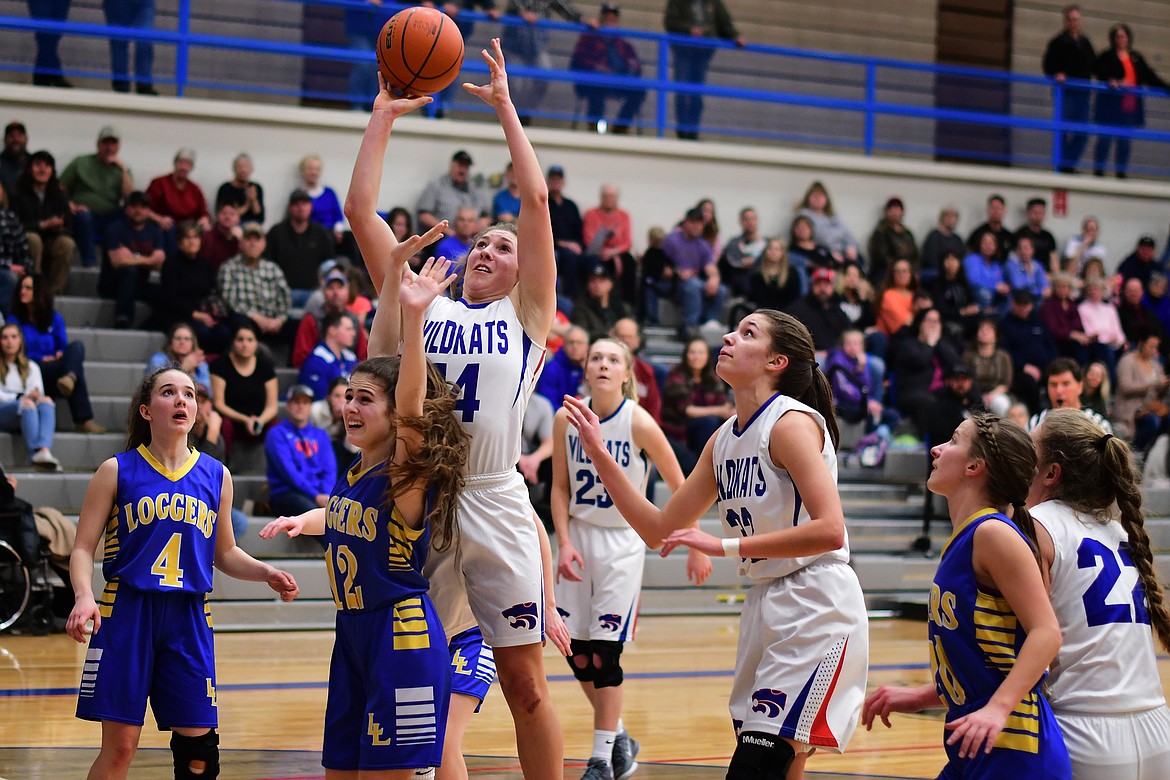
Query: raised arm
(537, 298)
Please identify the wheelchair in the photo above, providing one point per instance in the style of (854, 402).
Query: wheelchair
(26, 581)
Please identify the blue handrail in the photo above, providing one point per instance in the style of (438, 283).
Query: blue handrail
(872, 103)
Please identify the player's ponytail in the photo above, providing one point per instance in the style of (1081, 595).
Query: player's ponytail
(803, 378)
(1010, 460)
(1097, 470)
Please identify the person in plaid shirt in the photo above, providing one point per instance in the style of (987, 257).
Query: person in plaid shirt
(256, 291)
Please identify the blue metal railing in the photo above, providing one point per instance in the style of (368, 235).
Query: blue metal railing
(873, 105)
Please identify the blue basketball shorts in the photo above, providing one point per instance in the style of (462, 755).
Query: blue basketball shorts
(473, 667)
(151, 645)
(389, 689)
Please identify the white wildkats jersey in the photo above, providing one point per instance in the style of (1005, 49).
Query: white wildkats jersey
(588, 499)
(484, 350)
(1106, 663)
(756, 497)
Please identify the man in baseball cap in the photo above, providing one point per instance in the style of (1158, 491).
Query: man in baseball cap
(301, 465)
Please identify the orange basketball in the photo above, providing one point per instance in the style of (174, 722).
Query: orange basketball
(420, 51)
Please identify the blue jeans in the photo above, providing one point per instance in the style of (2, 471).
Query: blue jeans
(363, 76)
(1076, 109)
(89, 230)
(36, 424)
(696, 305)
(71, 362)
(48, 61)
(690, 67)
(131, 13)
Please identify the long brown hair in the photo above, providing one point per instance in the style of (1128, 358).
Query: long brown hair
(21, 359)
(1010, 459)
(1097, 469)
(39, 311)
(442, 454)
(137, 426)
(803, 378)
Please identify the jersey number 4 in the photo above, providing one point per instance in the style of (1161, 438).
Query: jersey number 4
(1097, 611)
(468, 383)
(166, 565)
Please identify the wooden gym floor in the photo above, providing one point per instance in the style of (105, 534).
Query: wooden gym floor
(272, 689)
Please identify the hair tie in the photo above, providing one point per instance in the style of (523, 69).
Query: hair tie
(1103, 442)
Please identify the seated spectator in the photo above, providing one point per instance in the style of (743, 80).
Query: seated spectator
(805, 252)
(43, 209)
(1157, 298)
(1080, 249)
(985, 273)
(255, 291)
(1141, 263)
(694, 404)
(891, 241)
(649, 398)
(952, 295)
(15, 260)
(298, 245)
(326, 208)
(1139, 409)
(1043, 244)
(1102, 326)
(857, 380)
(939, 241)
(657, 274)
(301, 467)
(243, 193)
(773, 284)
(1064, 385)
(565, 371)
(335, 300)
(24, 406)
(609, 55)
(919, 362)
(187, 292)
(328, 414)
(827, 228)
(1060, 315)
(182, 349)
(568, 232)
(442, 197)
(599, 309)
(135, 246)
(14, 156)
(991, 368)
(333, 358)
(896, 306)
(700, 293)
(607, 235)
(949, 405)
(400, 223)
(506, 202)
(96, 184)
(207, 437)
(739, 257)
(710, 226)
(1097, 394)
(174, 198)
(1095, 269)
(1136, 318)
(820, 311)
(46, 341)
(221, 242)
(243, 389)
(1024, 337)
(996, 208)
(1024, 271)
(536, 448)
(857, 299)
(455, 245)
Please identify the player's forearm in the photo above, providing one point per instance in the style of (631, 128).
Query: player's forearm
(361, 202)
(412, 376)
(525, 165)
(642, 515)
(559, 504)
(386, 329)
(81, 573)
(1033, 659)
(546, 560)
(815, 537)
(239, 565)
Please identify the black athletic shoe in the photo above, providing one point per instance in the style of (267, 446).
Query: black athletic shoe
(625, 750)
(597, 769)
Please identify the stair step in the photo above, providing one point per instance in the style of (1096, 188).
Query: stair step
(108, 344)
(82, 282)
(80, 311)
(274, 615)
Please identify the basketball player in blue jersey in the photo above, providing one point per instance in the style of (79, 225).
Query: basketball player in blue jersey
(992, 632)
(389, 680)
(490, 343)
(1103, 685)
(158, 507)
(803, 647)
(599, 572)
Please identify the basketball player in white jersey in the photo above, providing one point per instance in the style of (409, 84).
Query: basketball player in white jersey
(1103, 684)
(491, 343)
(803, 647)
(599, 572)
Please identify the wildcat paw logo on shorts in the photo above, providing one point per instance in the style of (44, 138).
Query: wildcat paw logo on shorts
(523, 615)
(769, 701)
(610, 622)
(562, 612)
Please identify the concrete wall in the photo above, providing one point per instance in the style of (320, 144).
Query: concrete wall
(659, 178)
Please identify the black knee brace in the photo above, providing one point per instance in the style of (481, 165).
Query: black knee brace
(608, 670)
(760, 756)
(203, 748)
(582, 652)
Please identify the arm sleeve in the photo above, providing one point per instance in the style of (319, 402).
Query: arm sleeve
(285, 467)
(60, 336)
(35, 380)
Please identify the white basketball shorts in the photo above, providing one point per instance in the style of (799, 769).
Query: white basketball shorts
(604, 605)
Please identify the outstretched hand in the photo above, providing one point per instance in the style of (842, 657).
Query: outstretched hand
(495, 92)
(410, 246)
(693, 538)
(587, 424)
(394, 102)
(284, 524)
(418, 290)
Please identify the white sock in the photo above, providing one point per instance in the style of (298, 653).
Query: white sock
(603, 744)
(621, 727)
